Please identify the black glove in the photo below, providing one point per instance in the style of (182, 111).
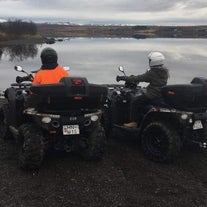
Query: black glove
(25, 78)
(131, 81)
(18, 79)
(120, 78)
(30, 77)
(131, 78)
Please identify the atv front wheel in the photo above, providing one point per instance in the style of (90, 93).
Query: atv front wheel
(93, 145)
(160, 142)
(30, 146)
(4, 127)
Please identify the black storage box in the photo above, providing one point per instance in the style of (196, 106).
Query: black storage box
(69, 93)
(187, 96)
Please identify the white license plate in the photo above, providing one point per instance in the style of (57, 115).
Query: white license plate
(197, 125)
(71, 129)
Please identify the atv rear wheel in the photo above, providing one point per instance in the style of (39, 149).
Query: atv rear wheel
(93, 145)
(160, 142)
(4, 127)
(30, 146)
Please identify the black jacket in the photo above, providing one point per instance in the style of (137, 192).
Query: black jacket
(156, 77)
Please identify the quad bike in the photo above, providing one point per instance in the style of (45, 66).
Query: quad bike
(178, 118)
(63, 116)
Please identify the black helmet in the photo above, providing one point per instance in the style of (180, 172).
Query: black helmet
(48, 55)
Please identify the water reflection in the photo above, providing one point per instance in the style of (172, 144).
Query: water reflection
(98, 59)
(1, 53)
(19, 52)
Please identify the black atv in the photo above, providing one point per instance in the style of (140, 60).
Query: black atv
(63, 116)
(167, 124)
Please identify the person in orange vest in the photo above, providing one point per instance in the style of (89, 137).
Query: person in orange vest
(50, 72)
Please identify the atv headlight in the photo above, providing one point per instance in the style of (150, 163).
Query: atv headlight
(184, 116)
(94, 118)
(46, 119)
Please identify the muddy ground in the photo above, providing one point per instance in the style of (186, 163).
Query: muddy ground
(123, 178)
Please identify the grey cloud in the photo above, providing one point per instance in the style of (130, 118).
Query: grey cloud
(112, 5)
(119, 11)
(145, 6)
(196, 4)
(158, 5)
(122, 5)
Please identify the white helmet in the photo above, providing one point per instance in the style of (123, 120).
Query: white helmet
(156, 58)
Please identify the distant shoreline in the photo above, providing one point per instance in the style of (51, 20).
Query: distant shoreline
(47, 32)
(55, 30)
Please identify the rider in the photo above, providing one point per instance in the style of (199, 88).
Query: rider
(50, 72)
(157, 77)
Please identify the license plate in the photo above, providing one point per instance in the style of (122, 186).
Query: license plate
(71, 129)
(197, 125)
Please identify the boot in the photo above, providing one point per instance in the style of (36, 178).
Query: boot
(131, 125)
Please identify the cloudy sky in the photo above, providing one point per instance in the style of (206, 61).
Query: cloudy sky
(159, 12)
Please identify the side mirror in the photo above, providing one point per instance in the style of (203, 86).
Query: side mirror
(19, 69)
(121, 68)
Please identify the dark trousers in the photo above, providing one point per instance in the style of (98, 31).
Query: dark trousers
(137, 107)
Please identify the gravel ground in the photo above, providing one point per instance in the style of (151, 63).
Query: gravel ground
(123, 178)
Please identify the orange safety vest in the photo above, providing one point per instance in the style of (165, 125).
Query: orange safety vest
(49, 76)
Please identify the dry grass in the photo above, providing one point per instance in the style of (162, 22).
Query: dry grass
(91, 31)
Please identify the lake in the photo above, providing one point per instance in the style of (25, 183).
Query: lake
(98, 59)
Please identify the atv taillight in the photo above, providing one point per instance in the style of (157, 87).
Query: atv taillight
(78, 97)
(53, 131)
(77, 81)
(171, 92)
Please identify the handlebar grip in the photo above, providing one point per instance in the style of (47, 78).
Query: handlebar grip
(120, 78)
(20, 79)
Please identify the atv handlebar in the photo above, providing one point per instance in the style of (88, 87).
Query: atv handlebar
(132, 84)
(121, 78)
(20, 79)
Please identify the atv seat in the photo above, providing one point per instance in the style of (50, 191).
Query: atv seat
(155, 104)
(159, 102)
(191, 96)
(69, 93)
